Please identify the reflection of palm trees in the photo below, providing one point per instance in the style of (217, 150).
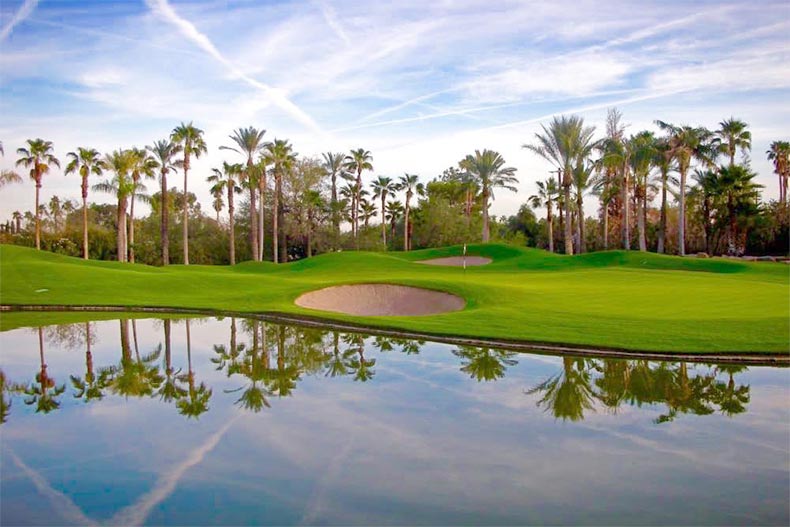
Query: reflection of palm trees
(614, 383)
(355, 354)
(91, 387)
(338, 363)
(686, 395)
(730, 399)
(136, 376)
(253, 365)
(568, 394)
(44, 392)
(409, 346)
(197, 397)
(282, 381)
(170, 390)
(484, 364)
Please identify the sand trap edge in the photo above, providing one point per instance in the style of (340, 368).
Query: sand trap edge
(375, 300)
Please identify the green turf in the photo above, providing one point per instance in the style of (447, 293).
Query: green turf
(612, 299)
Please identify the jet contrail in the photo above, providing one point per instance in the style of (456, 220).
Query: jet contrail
(20, 15)
(165, 10)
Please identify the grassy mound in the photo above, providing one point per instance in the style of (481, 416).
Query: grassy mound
(612, 299)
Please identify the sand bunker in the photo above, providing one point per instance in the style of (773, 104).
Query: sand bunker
(458, 261)
(380, 300)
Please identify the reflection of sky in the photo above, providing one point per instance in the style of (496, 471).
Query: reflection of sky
(419, 443)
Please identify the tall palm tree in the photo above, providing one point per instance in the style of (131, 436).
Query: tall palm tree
(642, 149)
(143, 166)
(314, 203)
(227, 179)
(547, 193)
(190, 139)
(164, 152)
(736, 186)
(249, 143)
(566, 141)
(394, 212)
(367, 211)
(779, 153)
(582, 182)
(383, 187)
(122, 186)
(409, 183)
(357, 161)
(333, 165)
(733, 134)
(85, 161)
(706, 191)
(686, 144)
(279, 153)
(488, 169)
(38, 157)
(663, 161)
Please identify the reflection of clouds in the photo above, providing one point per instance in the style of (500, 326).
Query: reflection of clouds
(59, 501)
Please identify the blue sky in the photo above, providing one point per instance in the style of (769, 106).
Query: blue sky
(419, 84)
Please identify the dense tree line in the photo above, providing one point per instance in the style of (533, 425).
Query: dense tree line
(677, 192)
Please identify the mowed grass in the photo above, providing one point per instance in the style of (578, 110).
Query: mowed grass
(614, 299)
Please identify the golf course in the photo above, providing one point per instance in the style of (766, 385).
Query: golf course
(614, 300)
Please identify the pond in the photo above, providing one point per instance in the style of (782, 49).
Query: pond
(203, 421)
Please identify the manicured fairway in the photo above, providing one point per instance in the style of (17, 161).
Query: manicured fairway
(615, 299)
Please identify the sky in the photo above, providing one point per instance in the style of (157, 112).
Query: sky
(419, 84)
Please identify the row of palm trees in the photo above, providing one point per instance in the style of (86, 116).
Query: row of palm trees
(618, 169)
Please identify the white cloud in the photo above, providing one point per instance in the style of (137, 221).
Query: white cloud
(25, 10)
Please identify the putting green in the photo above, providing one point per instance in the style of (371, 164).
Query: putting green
(615, 299)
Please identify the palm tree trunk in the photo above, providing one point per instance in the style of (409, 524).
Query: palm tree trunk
(486, 233)
(85, 217)
(566, 187)
(640, 220)
(281, 222)
(549, 222)
(355, 212)
(561, 216)
(275, 218)
(131, 230)
(231, 224)
(262, 191)
(406, 225)
(626, 226)
(383, 221)
(682, 213)
(164, 223)
(121, 242)
(38, 214)
(185, 226)
(253, 217)
(335, 215)
(606, 226)
(580, 224)
(662, 225)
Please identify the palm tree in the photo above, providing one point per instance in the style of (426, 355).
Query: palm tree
(367, 211)
(143, 166)
(484, 364)
(685, 144)
(333, 165)
(279, 153)
(642, 151)
(383, 187)
(779, 153)
(85, 161)
(489, 170)
(38, 157)
(227, 179)
(706, 191)
(663, 161)
(314, 203)
(8, 177)
(409, 183)
(736, 186)
(217, 203)
(121, 163)
(568, 394)
(733, 134)
(136, 376)
(566, 141)
(582, 181)
(394, 212)
(190, 139)
(249, 143)
(547, 193)
(359, 160)
(44, 392)
(164, 152)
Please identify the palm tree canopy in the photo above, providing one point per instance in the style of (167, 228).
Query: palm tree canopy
(38, 157)
(733, 134)
(249, 142)
(164, 152)
(190, 138)
(565, 141)
(359, 160)
(85, 161)
(489, 170)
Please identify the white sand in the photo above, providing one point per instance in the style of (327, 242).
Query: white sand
(380, 300)
(458, 261)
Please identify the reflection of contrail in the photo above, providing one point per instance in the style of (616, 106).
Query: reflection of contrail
(317, 502)
(20, 15)
(60, 502)
(136, 513)
(188, 29)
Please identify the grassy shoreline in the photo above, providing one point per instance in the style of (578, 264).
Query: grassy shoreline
(611, 300)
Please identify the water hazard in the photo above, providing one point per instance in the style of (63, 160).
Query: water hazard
(234, 421)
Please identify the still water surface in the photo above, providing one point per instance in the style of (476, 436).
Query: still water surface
(236, 422)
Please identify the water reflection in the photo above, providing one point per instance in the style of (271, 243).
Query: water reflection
(266, 360)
